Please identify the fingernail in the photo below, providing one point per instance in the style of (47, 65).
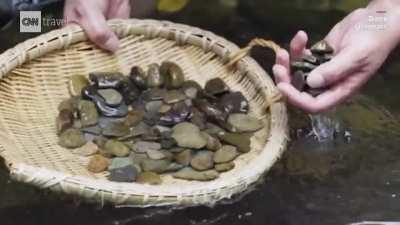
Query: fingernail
(112, 44)
(315, 80)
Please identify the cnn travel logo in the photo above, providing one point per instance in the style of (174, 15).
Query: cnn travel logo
(30, 21)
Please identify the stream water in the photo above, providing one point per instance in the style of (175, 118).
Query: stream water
(339, 182)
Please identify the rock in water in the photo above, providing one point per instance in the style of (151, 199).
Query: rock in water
(76, 84)
(64, 121)
(111, 96)
(125, 174)
(185, 157)
(116, 148)
(203, 160)
(98, 164)
(71, 138)
(154, 78)
(173, 75)
(226, 154)
(216, 86)
(156, 166)
(188, 135)
(244, 123)
(88, 113)
(191, 174)
(224, 167)
(149, 178)
(241, 141)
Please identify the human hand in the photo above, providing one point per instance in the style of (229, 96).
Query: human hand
(359, 52)
(92, 16)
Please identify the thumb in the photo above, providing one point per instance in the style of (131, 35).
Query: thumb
(333, 71)
(94, 22)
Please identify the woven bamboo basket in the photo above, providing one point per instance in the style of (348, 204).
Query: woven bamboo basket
(34, 78)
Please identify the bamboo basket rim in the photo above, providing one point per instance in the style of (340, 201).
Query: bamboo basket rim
(138, 195)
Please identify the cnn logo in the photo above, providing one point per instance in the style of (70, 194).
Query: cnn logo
(30, 21)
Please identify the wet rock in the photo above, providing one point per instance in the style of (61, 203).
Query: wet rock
(64, 121)
(191, 92)
(244, 123)
(191, 174)
(107, 79)
(87, 113)
(138, 77)
(144, 146)
(71, 138)
(111, 96)
(185, 157)
(198, 119)
(212, 112)
(90, 92)
(87, 150)
(174, 96)
(161, 129)
(98, 164)
(155, 154)
(156, 166)
(310, 59)
(134, 117)
(120, 162)
(116, 129)
(224, 167)
(234, 102)
(153, 107)
(95, 130)
(140, 129)
(303, 66)
(213, 129)
(173, 75)
(154, 94)
(125, 174)
(203, 160)
(188, 135)
(216, 86)
(241, 141)
(192, 89)
(116, 148)
(76, 83)
(226, 154)
(322, 47)
(165, 109)
(213, 144)
(154, 78)
(129, 91)
(149, 178)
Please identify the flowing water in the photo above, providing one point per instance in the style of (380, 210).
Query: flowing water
(348, 179)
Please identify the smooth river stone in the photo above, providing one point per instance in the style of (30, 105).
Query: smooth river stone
(76, 83)
(185, 157)
(72, 138)
(88, 113)
(124, 174)
(241, 141)
(95, 130)
(234, 102)
(120, 162)
(153, 107)
(213, 144)
(244, 123)
(203, 160)
(64, 121)
(67, 104)
(98, 164)
(140, 129)
(303, 66)
(216, 86)
(174, 96)
(111, 96)
(173, 75)
(188, 135)
(224, 167)
(116, 129)
(138, 77)
(155, 154)
(88, 149)
(149, 178)
(116, 148)
(156, 166)
(129, 91)
(226, 154)
(134, 117)
(144, 146)
(107, 79)
(321, 47)
(191, 174)
(154, 78)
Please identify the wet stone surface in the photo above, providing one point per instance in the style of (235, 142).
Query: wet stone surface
(153, 122)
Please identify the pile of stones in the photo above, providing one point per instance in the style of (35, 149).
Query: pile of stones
(321, 53)
(152, 122)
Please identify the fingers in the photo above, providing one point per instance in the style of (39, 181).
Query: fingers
(119, 9)
(95, 25)
(281, 74)
(283, 58)
(298, 45)
(346, 62)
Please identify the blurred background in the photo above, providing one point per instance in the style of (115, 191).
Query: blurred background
(334, 183)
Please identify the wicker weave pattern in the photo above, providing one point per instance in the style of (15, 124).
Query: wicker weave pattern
(34, 76)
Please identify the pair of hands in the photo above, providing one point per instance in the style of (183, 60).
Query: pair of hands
(360, 48)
